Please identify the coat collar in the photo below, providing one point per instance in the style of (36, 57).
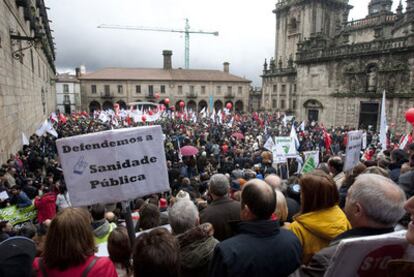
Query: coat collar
(262, 228)
(361, 232)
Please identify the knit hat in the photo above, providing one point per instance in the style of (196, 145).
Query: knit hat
(182, 195)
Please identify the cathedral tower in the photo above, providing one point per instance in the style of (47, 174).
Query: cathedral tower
(299, 20)
(379, 6)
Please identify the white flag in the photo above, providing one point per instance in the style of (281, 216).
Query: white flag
(25, 141)
(294, 136)
(50, 129)
(269, 144)
(103, 117)
(383, 125)
(302, 126)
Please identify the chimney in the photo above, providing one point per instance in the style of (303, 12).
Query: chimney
(167, 59)
(78, 72)
(226, 67)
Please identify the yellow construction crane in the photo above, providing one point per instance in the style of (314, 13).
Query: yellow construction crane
(186, 31)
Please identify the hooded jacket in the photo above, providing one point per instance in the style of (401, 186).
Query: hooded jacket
(315, 230)
(102, 230)
(196, 250)
(46, 206)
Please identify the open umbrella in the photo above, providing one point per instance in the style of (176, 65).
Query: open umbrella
(238, 135)
(189, 150)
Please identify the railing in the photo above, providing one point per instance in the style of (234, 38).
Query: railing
(192, 94)
(365, 22)
(106, 95)
(278, 70)
(229, 95)
(360, 48)
(150, 95)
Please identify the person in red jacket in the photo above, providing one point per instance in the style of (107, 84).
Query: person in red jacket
(70, 249)
(45, 205)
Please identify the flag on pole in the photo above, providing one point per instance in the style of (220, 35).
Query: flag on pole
(302, 126)
(269, 144)
(25, 141)
(407, 139)
(383, 125)
(294, 136)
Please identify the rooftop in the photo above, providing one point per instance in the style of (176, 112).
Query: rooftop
(158, 74)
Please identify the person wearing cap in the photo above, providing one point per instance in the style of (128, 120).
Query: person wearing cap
(261, 247)
(222, 209)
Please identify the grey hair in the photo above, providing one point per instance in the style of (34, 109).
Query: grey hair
(183, 216)
(382, 199)
(219, 185)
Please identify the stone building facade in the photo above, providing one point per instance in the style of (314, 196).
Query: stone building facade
(27, 71)
(68, 98)
(332, 70)
(197, 88)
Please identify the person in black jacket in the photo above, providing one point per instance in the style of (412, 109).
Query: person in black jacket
(261, 247)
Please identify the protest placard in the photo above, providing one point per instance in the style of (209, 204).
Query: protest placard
(114, 165)
(279, 156)
(16, 215)
(353, 150)
(288, 146)
(311, 161)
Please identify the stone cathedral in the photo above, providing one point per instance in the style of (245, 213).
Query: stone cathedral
(334, 70)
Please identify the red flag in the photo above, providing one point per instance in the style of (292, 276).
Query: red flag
(62, 118)
(328, 140)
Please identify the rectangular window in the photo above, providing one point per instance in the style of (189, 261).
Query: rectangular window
(275, 88)
(66, 88)
(218, 89)
(282, 104)
(294, 88)
(66, 98)
(283, 88)
(294, 104)
(191, 89)
(162, 89)
(180, 89)
(150, 90)
(229, 90)
(120, 89)
(107, 90)
(137, 89)
(240, 91)
(203, 90)
(93, 89)
(274, 103)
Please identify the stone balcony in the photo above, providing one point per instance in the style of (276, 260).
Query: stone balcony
(106, 95)
(308, 54)
(192, 94)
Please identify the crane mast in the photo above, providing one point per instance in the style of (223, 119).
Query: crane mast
(187, 31)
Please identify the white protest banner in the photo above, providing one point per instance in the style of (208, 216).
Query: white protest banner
(279, 156)
(4, 196)
(353, 150)
(288, 146)
(114, 165)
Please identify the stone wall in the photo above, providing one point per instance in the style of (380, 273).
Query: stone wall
(27, 90)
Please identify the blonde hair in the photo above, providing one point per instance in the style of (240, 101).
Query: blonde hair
(281, 206)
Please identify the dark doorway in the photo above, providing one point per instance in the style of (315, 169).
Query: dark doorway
(67, 109)
(368, 115)
(313, 115)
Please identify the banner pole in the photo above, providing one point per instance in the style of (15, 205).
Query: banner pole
(126, 212)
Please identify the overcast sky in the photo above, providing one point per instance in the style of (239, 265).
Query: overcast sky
(246, 27)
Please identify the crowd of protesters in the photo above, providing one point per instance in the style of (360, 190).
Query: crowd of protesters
(231, 210)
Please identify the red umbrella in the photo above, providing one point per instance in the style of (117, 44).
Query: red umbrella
(189, 150)
(238, 135)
